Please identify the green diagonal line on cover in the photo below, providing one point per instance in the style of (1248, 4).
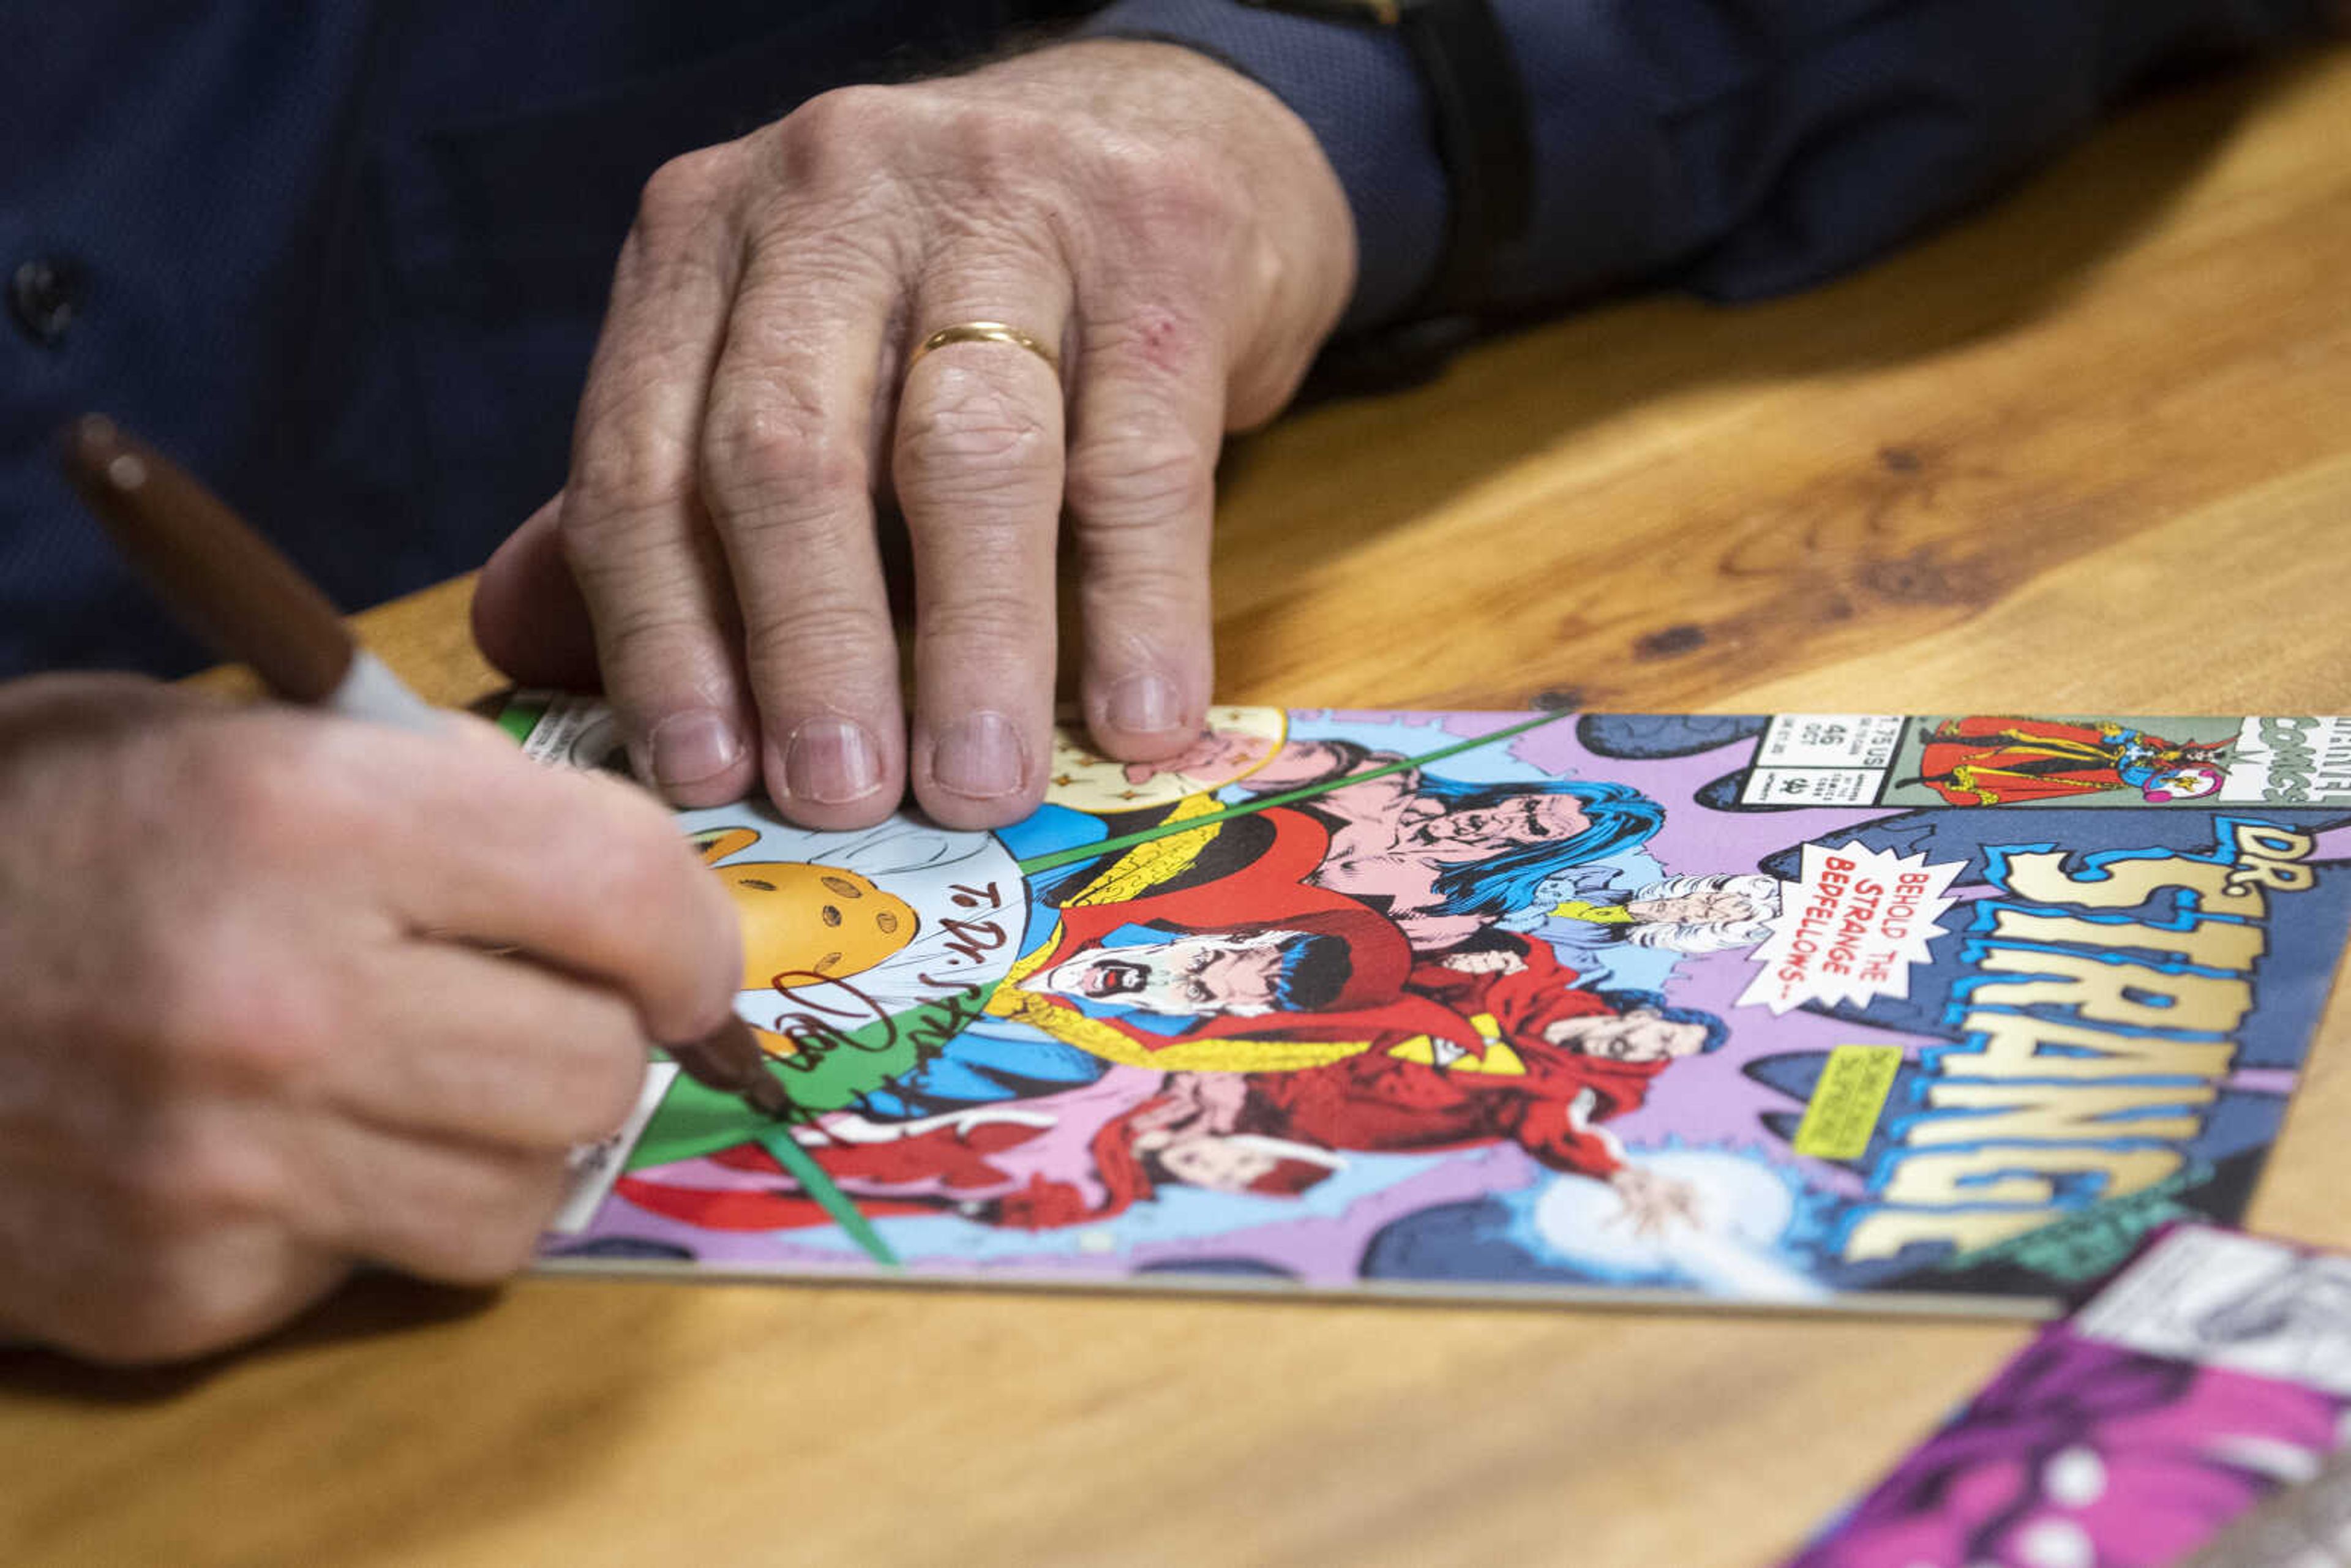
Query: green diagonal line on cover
(802, 1165)
(1055, 859)
(695, 1120)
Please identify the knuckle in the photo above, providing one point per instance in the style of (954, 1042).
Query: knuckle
(222, 1019)
(657, 662)
(823, 644)
(256, 794)
(974, 429)
(974, 621)
(679, 196)
(1005, 144)
(641, 581)
(180, 1181)
(1141, 478)
(618, 482)
(835, 127)
(767, 459)
(843, 149)
(654, 633)
(1164, 594)
(213, 1001)
(652, 618)
(650, 868)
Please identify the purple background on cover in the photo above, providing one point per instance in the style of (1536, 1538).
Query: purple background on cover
(2082, 1452)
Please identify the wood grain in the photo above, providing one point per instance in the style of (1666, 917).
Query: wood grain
(2087, 451)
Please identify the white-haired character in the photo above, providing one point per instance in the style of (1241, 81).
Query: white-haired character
(1577, 911)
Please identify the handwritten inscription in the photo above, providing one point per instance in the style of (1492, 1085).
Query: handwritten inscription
(830, 1016)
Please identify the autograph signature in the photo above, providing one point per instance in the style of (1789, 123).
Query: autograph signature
(832, 1015)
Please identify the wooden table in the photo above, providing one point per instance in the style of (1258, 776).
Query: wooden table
(2089, 452)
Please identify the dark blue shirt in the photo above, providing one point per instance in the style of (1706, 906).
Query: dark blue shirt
(347, 260)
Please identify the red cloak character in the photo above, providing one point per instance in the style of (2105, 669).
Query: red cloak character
(962, 1161)
(1379, 1101)
(1270, 893)
(955, 1159)
(974, 1170)
(1991, 760)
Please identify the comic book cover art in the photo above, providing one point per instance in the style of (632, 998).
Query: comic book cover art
(1699, 1008)
(2188, 1409)
(1982, 760)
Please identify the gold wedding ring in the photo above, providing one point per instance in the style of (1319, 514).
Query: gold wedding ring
(986, 332)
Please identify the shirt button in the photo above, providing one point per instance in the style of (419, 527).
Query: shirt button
(43, 296)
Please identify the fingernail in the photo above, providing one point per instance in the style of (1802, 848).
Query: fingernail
(1145, 704)
(688, 747)
(832, 762)
(979, 756)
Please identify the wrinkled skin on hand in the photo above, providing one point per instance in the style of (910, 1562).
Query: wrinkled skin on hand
(1169, 225)
(252, 1036)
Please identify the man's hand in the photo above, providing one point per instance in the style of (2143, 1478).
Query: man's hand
(250, 1033)
(1166, 225)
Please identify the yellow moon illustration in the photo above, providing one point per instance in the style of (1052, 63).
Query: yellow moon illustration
(1238, 742)
(804, 924)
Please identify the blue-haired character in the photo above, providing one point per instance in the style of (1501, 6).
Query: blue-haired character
(1447, 859)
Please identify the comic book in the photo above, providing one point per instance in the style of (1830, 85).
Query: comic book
(2192, 1415)
(1860, 1010)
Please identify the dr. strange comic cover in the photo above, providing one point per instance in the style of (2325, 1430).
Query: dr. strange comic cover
(1860, 1010)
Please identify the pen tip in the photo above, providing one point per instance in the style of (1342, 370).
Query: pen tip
(771, 1098)
(729, 1059)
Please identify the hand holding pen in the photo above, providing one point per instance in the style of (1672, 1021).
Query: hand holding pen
(252, 1036)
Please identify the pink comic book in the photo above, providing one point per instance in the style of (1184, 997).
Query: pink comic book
(1819, 1011)
(2192, 1414)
